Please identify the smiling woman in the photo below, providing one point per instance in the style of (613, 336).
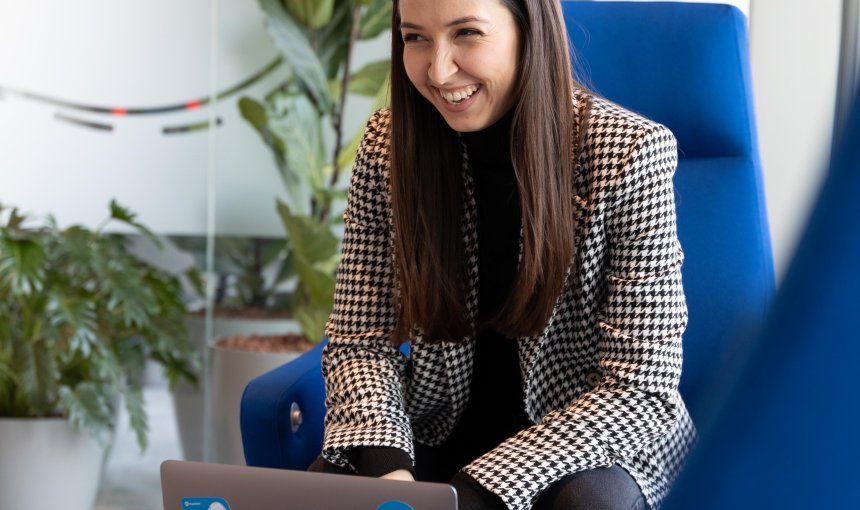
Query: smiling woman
(519, 232)
(467, 66)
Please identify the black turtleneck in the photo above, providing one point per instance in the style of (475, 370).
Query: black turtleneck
(495, 409)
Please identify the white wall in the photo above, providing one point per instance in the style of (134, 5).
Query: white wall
(152, 54)
(133, 55)
(795, 54)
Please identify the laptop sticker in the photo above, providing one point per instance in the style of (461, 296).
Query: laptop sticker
(394, 505)
(205, 504)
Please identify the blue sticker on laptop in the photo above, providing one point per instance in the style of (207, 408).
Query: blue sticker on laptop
(205, 504)
(394, 505)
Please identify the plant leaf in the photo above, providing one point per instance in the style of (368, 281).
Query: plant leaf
(302, 130)
(333, 41)
(89, 410)
(312, 321)
(296, 50)
(370, 78)
(137, 415)
(347, 153)
(310, 240)
(76, 313)
(317, 282)
(21, 265)
(382, 95)
(127, 295)
(310, 13)
(255, 113)
(38, 374)
(123, 214)
(375, 19)
(194, 277)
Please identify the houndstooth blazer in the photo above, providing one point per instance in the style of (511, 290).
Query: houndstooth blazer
(600, 382)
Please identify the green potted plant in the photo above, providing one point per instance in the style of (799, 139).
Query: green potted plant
(80, 317)
(303, 123)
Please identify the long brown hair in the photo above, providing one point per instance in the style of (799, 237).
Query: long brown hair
(427, 188)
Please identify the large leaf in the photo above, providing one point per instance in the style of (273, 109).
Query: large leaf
(136, 415)
(296, 50)
(375, 19)
(21, 262)
(317, 281)
(255, 113)
(311, 13)
(312, 321)
(126, 296)
(38, 374)
(76, 314)
(370, 78)
(347, 153)
(333, 41)
(312, 241)
(301, 128)
(89, 409)
(382, 98)
(123, 214)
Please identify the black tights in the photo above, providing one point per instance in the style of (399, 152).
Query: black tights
(609, 488)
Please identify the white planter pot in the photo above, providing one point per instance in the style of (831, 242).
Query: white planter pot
(45, 464)
(187, 400)
(232, 370)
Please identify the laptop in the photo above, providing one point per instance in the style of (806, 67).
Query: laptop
(188, 485)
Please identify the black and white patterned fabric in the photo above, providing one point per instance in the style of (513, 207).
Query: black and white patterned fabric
(600, 383)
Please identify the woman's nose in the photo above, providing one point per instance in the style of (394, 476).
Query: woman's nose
(442, 66)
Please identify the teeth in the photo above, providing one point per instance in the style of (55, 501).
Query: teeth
(460, 95)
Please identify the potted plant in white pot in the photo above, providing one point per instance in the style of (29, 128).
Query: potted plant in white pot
(80, 316)
(302, 122)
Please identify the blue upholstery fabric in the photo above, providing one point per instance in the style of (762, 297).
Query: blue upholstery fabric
(267, 433)
(687, 66)
(684, 65)
(786, 430)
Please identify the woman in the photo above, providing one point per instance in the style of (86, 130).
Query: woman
(521, 233)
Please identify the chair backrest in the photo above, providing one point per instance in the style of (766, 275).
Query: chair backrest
(784, 430)
(686, 65)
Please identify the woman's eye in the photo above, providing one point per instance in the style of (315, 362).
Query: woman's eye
(468, 32)
(411, 37)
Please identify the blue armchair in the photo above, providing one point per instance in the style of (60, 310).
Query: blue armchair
(686, 66)
(783, 430)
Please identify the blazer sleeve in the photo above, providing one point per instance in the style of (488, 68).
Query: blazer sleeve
(363, 371)
(641, 321)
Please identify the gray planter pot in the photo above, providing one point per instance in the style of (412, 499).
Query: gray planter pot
(46, 464)
(188, 401)
(232, 370)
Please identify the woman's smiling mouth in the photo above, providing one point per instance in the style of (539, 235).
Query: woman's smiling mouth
(457, 96)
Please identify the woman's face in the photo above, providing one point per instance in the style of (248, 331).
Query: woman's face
(462, 56)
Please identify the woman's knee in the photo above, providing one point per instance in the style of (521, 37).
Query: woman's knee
(609, 488)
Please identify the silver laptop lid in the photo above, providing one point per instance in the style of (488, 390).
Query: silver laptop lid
(187, 485)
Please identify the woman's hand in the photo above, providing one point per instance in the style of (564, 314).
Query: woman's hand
(400, 474)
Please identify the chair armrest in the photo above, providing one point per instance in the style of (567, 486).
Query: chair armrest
(282, 413)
